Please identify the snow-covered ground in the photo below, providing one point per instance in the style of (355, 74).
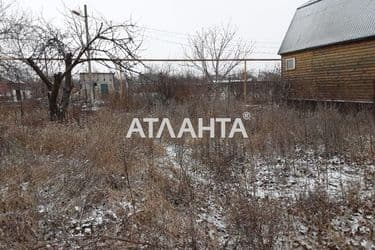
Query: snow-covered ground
(288, 180)
(278, 178)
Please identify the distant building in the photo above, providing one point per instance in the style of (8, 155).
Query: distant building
(102, 83)
(13, 92)
(5, 91)
(328, 53)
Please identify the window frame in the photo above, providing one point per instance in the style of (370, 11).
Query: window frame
(287, 60)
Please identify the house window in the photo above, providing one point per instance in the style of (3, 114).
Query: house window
(290, 64)
(104, 89)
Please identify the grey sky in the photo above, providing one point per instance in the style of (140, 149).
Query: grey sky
(169, 21)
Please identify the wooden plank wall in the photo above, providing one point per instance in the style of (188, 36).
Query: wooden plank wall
(343, 72)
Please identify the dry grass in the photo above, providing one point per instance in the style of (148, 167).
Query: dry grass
(55, 176)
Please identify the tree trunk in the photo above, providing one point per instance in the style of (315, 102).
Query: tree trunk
(56, 113)
(58, 109)
(53, 90)
(68, 87)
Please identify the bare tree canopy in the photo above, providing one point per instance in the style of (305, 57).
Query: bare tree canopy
(3, 8)
(32, 39)
(219, 42)
(10, 70)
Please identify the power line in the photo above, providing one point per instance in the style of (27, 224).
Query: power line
(233, 48)
(168, 41)
(186, 35)
(185, 44)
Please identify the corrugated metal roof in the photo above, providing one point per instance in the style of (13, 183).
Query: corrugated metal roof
(324, 22)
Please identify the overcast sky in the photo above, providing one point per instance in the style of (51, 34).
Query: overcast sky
(168, 22)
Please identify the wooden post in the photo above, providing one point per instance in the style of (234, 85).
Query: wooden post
(122, 83)
(245, 81)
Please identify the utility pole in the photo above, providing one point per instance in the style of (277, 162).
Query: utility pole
(90, 84)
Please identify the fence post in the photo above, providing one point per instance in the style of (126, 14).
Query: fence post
(245, 81)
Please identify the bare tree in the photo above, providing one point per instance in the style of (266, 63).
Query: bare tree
(219, 42)
(3, 8)
(45, 47)
(4, 25)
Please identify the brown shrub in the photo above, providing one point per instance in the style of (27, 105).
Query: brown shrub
(258, 223)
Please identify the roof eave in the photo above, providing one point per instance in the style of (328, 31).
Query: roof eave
(308, 4)
(281, 53)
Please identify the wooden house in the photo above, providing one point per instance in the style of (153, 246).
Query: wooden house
(328, 53)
